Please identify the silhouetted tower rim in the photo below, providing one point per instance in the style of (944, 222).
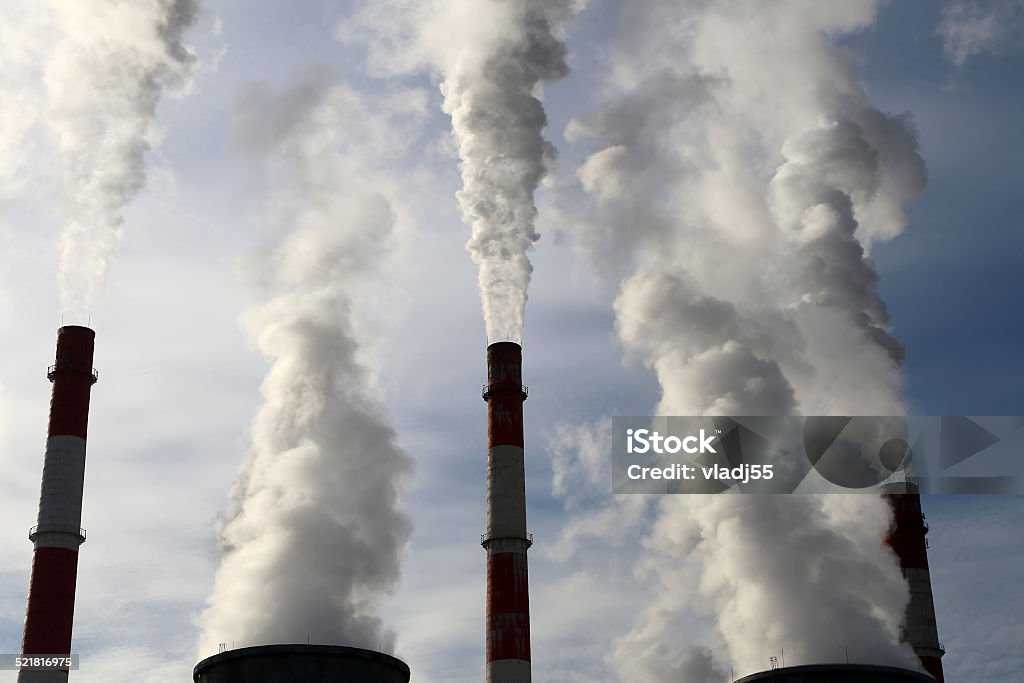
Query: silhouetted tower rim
(300, 663)
(838, 673)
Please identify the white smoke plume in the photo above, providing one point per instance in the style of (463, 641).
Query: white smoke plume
(739, 177)
(107, 71)
(316, 535)
(491, 95)
(493, 57)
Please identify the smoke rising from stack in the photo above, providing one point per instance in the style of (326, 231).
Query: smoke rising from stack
(498, 122)
(104, 78)
(739, 178)
(316, 536)
(493, 58)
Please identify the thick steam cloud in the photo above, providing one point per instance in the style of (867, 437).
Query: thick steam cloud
(491, 94)
(316, 535)
(739, 178)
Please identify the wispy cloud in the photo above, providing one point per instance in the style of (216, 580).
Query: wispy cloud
(970, 28)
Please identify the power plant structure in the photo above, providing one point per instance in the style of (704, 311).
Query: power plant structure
(837, 673)
(506, 540)
(58, 533)
(907, 538)
(301, 664)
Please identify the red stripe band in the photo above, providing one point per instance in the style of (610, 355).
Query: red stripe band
(72, 376)
(907, 533)
(505, 397)
(505, 421)
(508, 607)
(933, 665)
(51, 602)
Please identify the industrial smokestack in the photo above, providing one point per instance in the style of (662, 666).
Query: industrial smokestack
(58, 532)
(506, 540)
(907, 539)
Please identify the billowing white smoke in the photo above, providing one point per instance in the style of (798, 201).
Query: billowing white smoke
(491, 93)
(316, 535)
(701, 341)
(493, 56)
(743, 173)
(104, 78)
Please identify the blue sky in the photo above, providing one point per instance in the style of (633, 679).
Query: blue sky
(951, 282)
(180, 377)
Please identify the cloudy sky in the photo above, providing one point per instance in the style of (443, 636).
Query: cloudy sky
(254, 205)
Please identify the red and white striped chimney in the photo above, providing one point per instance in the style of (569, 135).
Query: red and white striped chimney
(58, 532)
(907, 539)
(506, 540)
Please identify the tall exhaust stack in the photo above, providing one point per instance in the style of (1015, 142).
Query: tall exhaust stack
(506, 540)
(58, 532)
(907, 539)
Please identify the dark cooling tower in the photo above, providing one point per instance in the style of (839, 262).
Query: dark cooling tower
(838, 673)
(301, 664)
